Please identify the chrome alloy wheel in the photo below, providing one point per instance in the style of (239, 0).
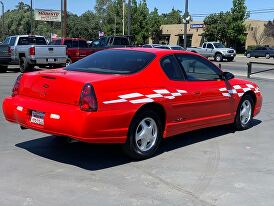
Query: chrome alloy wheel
(245, 112)
(146, 134)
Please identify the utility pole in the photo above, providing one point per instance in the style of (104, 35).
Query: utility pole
(3, 19)
(65, 18)
(31, 17)
(62, 18)
(129, 17)
(186, 20)
(123, 17)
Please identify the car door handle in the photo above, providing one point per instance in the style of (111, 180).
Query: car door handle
(197, 93)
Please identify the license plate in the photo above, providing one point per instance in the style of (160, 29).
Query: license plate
(51, 60)
(37, 117)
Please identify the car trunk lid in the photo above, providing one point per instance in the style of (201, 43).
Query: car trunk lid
(58, 85)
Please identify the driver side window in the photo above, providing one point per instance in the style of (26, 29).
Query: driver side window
(198, 69)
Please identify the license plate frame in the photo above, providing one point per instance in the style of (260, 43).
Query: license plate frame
(37, 118)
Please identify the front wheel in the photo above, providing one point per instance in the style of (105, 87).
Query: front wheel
(267, 56)
(248, 55)
(218, 58)
(244, 115)
(144, 136)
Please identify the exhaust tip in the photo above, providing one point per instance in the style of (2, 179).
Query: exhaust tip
(23, 128)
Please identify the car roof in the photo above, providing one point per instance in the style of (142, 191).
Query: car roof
(154, 50)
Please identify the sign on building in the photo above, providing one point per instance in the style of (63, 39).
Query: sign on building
(197, 26)
(47, 15)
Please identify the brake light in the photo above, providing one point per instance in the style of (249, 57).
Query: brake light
(32, 51)
(15, 90)
(88, 101)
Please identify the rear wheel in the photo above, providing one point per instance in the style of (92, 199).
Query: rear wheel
(3, 69)
(144, 136)
(244, 115)
(218, 58)
(267, 56)
(248, 55)
(25, 66)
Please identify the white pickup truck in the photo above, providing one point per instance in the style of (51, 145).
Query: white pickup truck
(30, 51)
(216, 50)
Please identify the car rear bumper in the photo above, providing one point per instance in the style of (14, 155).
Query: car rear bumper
(93, 127)
(49, 61)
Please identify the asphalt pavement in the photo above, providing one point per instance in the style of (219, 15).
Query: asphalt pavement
(215, 166)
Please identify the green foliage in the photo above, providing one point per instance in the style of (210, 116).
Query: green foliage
(154, 25)
(228, 27)
(269, 29)
(173, 17)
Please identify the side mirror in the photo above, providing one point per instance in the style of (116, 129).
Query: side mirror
(228, 76)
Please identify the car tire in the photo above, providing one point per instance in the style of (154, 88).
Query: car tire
(267, 56)
(230, 59)
(3, 69)
(144, 135)
(245, 111)
(248, 55)
(218, 57)
(24, 65)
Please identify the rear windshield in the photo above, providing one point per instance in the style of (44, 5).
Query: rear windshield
(32, 41)
(113, 62)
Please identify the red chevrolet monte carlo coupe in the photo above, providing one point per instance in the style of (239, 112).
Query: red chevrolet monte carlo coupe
(135, 97)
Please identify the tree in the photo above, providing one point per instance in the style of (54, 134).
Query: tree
(154, 25)
(259, 36)
(236, 27)
(216, 27)
(173, 17)
(269, 29)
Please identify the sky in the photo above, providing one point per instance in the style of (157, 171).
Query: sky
(164, 6)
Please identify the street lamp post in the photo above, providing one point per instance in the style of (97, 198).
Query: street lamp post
(3, 18)
(186, 20)
(31, 17)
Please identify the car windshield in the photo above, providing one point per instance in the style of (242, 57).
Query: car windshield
(219, 45)
(113, 62)
(32, 41)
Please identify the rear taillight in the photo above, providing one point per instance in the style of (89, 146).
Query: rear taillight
(88, 101)
(15, 90)
(32, 51)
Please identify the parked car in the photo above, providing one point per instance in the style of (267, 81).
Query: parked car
(216, 50)
(76, 48)
(30, 51)
(266, 52)
(170, 47)
(151, 45)
(5, 57)
(112, 42)
(112, 99)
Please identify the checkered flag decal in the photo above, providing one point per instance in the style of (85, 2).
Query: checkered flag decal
(239, 90)
(138, 98)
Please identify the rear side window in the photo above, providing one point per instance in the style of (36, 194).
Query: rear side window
(32, 41)
(172, 68)
(68, 43)
(75, 43)
(83, 44)
(7, 40)
(113, 62)
(12, 41)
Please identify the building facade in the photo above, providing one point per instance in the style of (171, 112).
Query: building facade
(173, 34)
